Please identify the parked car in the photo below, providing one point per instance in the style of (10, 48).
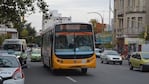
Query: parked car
(36, 54)
(98, 52)
(111, 56)
(10, 69)
(139, 60)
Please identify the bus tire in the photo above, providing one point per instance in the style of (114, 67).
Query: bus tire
(84, 70)
(44, 65)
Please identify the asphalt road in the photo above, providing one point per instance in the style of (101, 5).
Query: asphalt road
(102, 74)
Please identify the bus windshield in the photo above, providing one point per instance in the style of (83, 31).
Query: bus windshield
(73, 41)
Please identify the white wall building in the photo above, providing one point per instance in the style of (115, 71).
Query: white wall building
(11, 31)
(53, 18)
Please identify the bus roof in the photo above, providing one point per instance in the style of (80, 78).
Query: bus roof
(47, 29)
(74, 23)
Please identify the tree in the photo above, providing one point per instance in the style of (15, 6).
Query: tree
(13, 11)
(31, 30)
(94, 22)
(24, 33)
(28, 33)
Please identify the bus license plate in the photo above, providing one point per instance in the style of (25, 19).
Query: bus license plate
(84, 61)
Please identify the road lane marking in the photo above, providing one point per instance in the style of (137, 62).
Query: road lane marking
(73, 80)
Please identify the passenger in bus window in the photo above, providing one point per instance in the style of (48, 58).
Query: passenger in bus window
(81, 41)
(71, 45)
(61, 44)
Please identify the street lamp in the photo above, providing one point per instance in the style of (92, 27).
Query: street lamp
(102, 20)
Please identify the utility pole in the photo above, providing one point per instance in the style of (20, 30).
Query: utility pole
(109, 14)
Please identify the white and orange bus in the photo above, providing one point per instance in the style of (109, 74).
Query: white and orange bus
(69, 46)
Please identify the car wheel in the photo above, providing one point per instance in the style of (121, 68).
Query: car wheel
(141, 68)
(130, 67)
(107, 62)
(121, 63)
(101, 61)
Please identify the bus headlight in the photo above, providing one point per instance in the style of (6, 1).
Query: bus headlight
(60, 61)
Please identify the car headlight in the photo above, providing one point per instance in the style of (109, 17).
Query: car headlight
(120, 58)
(18, 56)
(18, 74)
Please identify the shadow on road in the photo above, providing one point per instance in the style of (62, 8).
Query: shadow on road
(68, 72)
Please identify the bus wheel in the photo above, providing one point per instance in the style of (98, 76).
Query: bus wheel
(84, 70)
(52, 70)
(44, 65)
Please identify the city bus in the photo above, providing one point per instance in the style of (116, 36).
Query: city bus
(69, 46)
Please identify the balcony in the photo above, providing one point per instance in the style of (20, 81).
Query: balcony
(137, 9)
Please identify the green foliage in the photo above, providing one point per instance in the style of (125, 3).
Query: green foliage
(142, 34)
(14, 10)
(3, 37)
(24, 33)
(28, 33)
(31, 31)
(94, 22)
(37, 40)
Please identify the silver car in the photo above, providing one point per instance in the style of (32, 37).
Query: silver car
(111, 56)
(10, 70)
(98, 52)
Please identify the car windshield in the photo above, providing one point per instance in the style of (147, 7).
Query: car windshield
(145, 55)
(7, 61)
(38, 51)
(16, 47)
(111, 52)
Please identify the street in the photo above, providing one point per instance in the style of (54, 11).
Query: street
(102, 74)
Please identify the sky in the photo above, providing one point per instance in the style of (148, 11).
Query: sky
(79, 10)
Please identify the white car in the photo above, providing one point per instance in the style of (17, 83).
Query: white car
(10, 70)
(98, 52)
(111, 56)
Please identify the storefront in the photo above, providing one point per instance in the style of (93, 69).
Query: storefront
(129, 45)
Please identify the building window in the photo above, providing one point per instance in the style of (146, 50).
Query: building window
(122, 4)
(128, 24)
(129, 3)
(133, 22)
(133, 3)
(140, 24)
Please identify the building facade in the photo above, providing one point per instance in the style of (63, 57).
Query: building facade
(4, 30)
(130, 19)
(53, 18)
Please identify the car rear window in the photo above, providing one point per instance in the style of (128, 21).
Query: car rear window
(8, 61)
